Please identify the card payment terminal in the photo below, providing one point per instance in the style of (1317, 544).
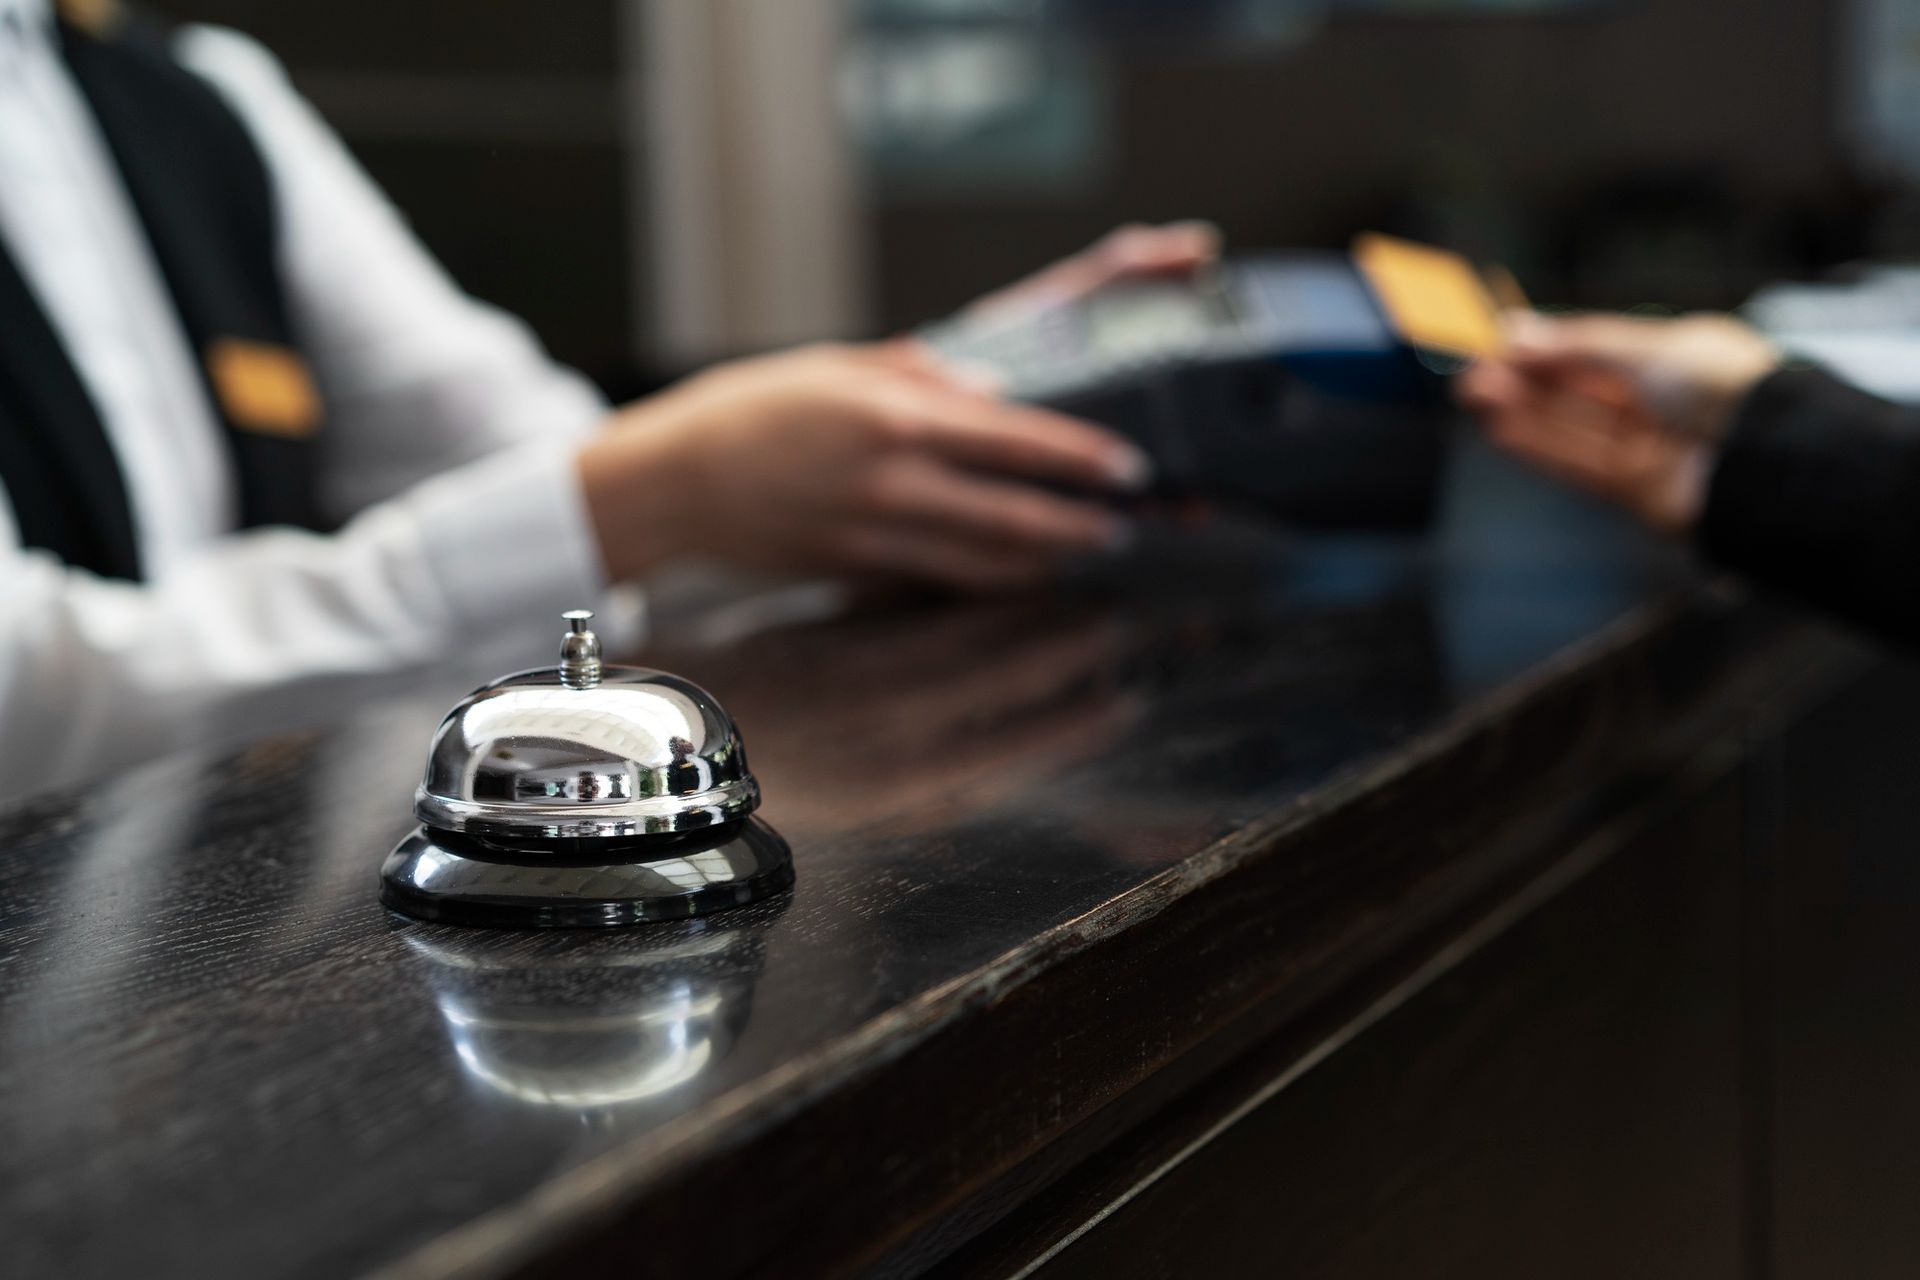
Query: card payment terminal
(1290, 382)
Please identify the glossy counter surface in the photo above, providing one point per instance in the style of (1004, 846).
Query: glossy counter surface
(219, 1055)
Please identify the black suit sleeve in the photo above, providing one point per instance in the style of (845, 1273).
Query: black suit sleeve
(1817, 492)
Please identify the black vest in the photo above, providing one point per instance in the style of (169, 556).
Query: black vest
(204, 197)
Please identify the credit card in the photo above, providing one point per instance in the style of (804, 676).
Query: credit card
(1434, 299)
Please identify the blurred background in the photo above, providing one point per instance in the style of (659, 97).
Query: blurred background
(654, 183)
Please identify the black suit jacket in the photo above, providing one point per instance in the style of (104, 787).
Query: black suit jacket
(1817, 492)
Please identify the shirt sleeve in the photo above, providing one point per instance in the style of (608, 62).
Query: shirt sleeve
(97, 673)
(1817, 492)
(449, 455)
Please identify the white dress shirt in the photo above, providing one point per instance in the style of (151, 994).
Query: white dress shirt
(448, 447)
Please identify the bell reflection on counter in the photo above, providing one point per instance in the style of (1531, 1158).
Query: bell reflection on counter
(585, 794)
(590, 1025)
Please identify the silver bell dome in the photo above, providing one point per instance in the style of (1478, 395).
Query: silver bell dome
(585, 750)
(585, 794)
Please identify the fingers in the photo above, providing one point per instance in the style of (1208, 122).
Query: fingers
(1581, 399)
(950, 412)
(923, 518)
(1538, 338)
(1564, 450)
(1573, 435)
(1593, 400)
(927, 492)
(1174, 248)
(1620, 454)
(917, 360)
(1490, 387)
(1611, 360)
(1709, 349)
(1017, 440)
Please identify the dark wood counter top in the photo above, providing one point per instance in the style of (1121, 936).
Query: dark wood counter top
(1057, 860)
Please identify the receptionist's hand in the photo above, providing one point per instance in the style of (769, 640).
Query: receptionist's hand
(1628, 408)
(1129, 252)
(852, 459)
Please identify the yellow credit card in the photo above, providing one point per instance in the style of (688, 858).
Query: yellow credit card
(1433, 298)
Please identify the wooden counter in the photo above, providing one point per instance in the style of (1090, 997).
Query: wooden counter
(1343, 908)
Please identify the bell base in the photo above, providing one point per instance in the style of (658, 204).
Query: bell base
(453, 882)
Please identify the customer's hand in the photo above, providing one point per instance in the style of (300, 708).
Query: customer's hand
(852, 459)
(1630, 409)
(1134, 251)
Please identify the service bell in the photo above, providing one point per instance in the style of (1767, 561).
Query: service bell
(585, 794)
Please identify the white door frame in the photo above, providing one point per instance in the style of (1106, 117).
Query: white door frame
(748, 224)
